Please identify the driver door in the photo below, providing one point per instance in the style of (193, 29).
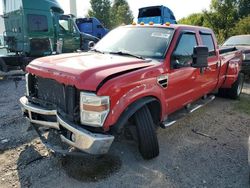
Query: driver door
(183, 83)
(70, 36)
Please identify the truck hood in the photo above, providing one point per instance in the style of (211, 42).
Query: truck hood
(85, 71)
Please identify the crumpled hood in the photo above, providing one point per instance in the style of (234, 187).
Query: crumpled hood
(85, 71)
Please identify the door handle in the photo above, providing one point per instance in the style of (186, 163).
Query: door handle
(217, 65)
(208, 69)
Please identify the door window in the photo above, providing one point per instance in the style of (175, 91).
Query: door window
(183, 52)
(207, 40)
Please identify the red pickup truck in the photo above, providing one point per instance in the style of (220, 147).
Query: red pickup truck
(136, 78)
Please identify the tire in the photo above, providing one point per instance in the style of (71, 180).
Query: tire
(235, 91)
(147, 139)
(3, 66)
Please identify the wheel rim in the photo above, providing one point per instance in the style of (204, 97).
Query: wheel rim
(239, 87)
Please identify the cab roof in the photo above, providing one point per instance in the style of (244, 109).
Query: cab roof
(174, 26)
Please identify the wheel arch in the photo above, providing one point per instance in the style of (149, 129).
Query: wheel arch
(153, 104)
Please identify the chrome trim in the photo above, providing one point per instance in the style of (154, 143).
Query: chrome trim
(164, 79)
(27, 83)
(84, 140)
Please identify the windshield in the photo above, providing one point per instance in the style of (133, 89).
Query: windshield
(146, 42)
(243, 40)
(149, 12)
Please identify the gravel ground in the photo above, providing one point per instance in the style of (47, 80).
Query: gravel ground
(215, 158)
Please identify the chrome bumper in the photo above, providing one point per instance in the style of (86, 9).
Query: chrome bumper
(84, 140)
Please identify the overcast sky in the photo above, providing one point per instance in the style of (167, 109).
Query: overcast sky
(181, 8)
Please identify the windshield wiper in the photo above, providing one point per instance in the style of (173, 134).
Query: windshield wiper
(126, 54)
(95, 50)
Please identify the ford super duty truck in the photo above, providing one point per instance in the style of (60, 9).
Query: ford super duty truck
(136, 78)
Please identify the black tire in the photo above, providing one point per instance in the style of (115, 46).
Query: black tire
(235, 91)
(3, 66)
(147, 139)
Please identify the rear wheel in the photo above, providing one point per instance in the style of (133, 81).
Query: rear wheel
(235, 91)
(148, 143)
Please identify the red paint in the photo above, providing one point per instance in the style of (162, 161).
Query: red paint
(87, 70)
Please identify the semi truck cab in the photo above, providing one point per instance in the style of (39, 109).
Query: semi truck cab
(39, 28)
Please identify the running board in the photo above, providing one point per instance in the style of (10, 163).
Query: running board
(173, 118)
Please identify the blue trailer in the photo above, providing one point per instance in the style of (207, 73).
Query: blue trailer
(157, 14)
(91, 26)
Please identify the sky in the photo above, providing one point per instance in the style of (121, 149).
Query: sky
(181, 8)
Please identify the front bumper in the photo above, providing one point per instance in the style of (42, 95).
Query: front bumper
(82, 139)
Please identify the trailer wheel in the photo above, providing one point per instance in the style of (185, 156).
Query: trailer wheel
(147, 139)
(235, 91)
(3, 66)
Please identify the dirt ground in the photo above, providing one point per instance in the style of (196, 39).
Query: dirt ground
(215, 158)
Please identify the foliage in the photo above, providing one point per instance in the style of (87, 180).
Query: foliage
(121, 13)
(243, 26)
(221, 17)
(101, 10)
(111, 16)
(225, 17)
(193, 19)
(243, 8)
(243, 104)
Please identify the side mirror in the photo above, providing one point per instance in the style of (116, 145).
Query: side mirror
(91, 44)
(200, 55)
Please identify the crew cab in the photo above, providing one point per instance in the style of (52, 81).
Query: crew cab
(135, 78)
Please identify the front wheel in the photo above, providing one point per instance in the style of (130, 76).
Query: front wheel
(148, 143)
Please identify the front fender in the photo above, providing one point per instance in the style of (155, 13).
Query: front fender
(130, 111)
(124, 98)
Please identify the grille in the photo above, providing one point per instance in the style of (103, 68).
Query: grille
(51, 93)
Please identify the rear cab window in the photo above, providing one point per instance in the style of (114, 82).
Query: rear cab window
(207, 40)
(37, 23)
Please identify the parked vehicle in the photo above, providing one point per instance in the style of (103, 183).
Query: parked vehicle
(1, 40)
(91, 26)
(38, 28)
(241, 42)
(138, 82)
(156, 14)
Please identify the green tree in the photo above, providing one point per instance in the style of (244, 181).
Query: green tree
(243, 26)
(193, 19)
(101, 10)
(121, 13)
(243, 8)
(221, 17)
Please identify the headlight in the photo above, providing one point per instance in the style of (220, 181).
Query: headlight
(27, 84)
(246, 57)
(94, 109)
